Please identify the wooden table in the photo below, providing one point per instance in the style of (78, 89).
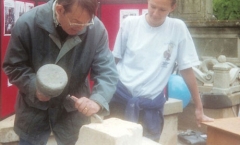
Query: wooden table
(225, 131)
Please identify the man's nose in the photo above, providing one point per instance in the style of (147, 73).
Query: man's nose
(156, 12)
(78, 28)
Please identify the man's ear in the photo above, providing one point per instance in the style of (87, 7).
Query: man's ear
(60, 9)
(173, 7)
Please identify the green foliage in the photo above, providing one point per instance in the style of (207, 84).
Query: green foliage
(226, 9)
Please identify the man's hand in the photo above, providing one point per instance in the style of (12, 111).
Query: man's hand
(201, 117)
(41, 97)
(86, 106)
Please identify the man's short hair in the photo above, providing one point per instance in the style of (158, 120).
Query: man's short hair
(88, 5)
(174, 2)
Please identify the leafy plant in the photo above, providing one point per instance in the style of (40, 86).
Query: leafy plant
(226, 9)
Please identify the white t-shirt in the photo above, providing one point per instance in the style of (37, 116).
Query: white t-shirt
(147, 54)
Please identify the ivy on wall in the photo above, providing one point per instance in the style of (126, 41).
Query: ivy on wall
(226, 9)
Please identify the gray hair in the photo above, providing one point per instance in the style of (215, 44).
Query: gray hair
(89, 5)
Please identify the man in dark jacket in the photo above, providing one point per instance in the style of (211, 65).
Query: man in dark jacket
(65, 33)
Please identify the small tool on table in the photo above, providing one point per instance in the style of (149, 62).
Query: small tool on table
(97, 118)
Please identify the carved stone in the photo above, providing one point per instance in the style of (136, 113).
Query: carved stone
(193, 10)
(218, 75)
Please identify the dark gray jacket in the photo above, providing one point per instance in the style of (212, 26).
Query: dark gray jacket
(35, 42)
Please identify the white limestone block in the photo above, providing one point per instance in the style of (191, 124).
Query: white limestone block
(112, 131)
(146, 141)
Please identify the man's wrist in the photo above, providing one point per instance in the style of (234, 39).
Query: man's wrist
(101, 107)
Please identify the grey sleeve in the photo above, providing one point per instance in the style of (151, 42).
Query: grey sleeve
(17, 65)
(104, 74)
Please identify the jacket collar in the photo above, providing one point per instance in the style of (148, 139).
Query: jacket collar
(45, 19)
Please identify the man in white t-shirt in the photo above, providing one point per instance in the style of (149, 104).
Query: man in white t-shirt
(146, 49)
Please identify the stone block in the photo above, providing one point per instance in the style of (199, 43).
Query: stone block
(6, 130)
(146, 141)
(222, 113)
(214, 38)
(170, 129)
(112, 131)
(173, 106)
(235, 98)
(193, 10)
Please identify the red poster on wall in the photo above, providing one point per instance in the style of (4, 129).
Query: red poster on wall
(8, 91)
(10, 11)
(113, 12)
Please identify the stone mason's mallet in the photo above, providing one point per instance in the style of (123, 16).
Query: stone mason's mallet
(51, 80)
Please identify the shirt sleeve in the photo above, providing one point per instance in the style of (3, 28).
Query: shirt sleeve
(121, 40)
(17, 67)
(187, 55)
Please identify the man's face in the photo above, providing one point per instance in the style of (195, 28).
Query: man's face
(158, 10)
(75, 21)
